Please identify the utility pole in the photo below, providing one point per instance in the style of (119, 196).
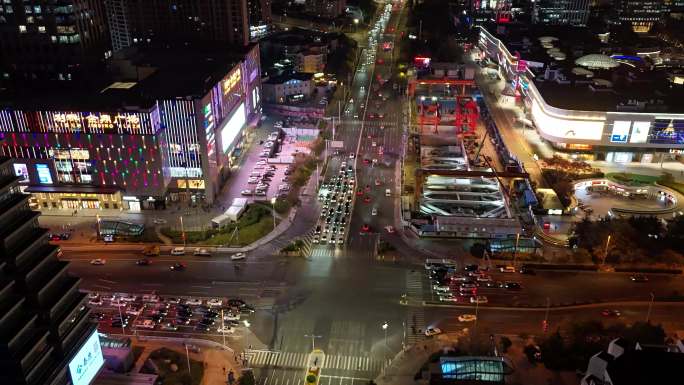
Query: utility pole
(650, 307)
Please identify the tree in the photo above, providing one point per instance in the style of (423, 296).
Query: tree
(645, 333)
(531, 352)
(553, 352)
(505, 343)
(247, 378)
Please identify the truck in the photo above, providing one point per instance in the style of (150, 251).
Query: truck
(151, 251)
(220, 221)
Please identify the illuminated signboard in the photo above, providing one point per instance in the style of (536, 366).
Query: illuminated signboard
(669, 131)
(565, 128)
(44, 176)
(231, 81)
(95, 121)
(87, 362)
(620, 131)
(233, 127)
(640, 132)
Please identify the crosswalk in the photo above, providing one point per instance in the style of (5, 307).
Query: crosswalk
(260, 358)
(415, 315)
(322, 251)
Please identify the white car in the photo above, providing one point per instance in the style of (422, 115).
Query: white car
(316, 239)
(202, 252)
(352, 155)
(238, 256)
(374, 211)
(98, 261)
(467, 318)
(129, 298)
(225, 329)
(178, 251)
(441, 289)
(389, 229)
(507, 269)
(479, 299)
(429, 332)
(193, 301)
(215, 302)
(246, 192)
(447, 298)
(230, 316)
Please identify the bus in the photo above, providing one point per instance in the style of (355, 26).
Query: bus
(435, 263)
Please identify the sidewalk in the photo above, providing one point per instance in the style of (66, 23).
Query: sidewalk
(217, 362)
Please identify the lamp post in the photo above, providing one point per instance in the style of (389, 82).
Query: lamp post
(98, 225)
(182, 230)
(273, 201)
(313, 339)
(650, 306)
(605, 252)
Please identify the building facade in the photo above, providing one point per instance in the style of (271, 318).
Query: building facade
(561, 12)
(154, 22)
(134, 158)
(43, 41)
(259, 18)
(45, 330)
(640, 14)
(288, 88)
(327, 9)
(613, 135)
(311, 60)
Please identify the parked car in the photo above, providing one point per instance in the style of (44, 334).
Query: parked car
(98, 261)
(430, 331)
(201, 252)
(178, 251)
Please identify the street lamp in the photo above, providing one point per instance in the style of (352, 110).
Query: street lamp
(98, 225)
(313, 339)
(384, 328)
(605, 252)
(273, 201)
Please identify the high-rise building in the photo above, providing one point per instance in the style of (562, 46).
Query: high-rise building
(177, 22)
(45, 331)
(260, 18)
(561, 12)
(327, 9)
(56, 40)
(640, 14)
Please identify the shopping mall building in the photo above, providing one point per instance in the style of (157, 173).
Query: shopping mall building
(609, 106)
(172, 134)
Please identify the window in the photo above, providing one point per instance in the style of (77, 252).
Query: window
(22, 29)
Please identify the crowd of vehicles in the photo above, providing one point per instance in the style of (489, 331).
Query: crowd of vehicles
(453, 285)
(336, 196)
(152, 312)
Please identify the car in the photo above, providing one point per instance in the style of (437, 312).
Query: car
(479, 299)
(98, 261)
(359, 192)
(507, 269)
(365, 228)
(224, 329)
(231, 316)
(93, 295)
(202, 327)
(143, 262)
(201, 252)
(527, 270)
(512, 286)
(169, 326)
(177, 267)
(146, 324)
(610, 313)
(316, 239)
(238, 256)
(215, 302)
(340, 240)
(236, 303)
(134, 310)
(638, 278)
(246, 192)
(151, 298)
(95, 302)
(182, 320)
(207, 321)
(467, 318)
(129, 298)
(193, 301)
(440, 288)
(484, 278)
(55, 237)
(374, 211)
(430, 331)
(366, 199)
(178, 251)
(377, 182)
(352, 155)
(389, 229)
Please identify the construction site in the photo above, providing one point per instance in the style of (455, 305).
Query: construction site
(461, 185)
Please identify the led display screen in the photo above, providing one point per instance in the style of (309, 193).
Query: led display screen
(233, 127)
(640, 132)
(620, 131)
(44, 176)
(21, 171)
(669, 131)
(87, 362)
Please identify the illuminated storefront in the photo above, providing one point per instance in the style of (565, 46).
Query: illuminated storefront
(610, 135)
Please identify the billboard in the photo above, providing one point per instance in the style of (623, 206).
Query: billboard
(620, 131)
(668, 131)
(87, 362)
(21, 171)
(233, 127)
(640, 131)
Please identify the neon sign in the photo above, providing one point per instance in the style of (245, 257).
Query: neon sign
(232, 80)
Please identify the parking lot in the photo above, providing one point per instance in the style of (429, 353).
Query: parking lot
(130, 313)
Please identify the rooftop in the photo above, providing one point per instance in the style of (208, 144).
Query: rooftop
(575, 70)
(280, 79)
(637, 367)
(134, 81)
